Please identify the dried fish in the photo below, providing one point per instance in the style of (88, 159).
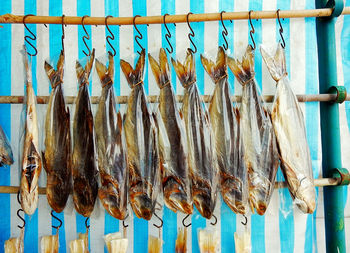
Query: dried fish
(15, 244)
(57, 158)
(80, 245)
(110, 146)
(202, 160)
(172, 141)
(50, 244)
(6, 156)
(181, 241)
(154, 244)
(31, 160)
(208, 241)
(225, 122)
(288, 122)
(142, 143)
(260, 146)
(115, 243)
(85, 172)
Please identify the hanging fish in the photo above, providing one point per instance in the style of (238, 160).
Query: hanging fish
(6, 156)
(50, 243)
(15, 244)
(225, 122)
(202, 161)
(142, 143)
(57, 156)
(85, 172)
(172, 141)
(110, 146)
(181, 241)
(31, 160)
(260, 146)
(288, 121)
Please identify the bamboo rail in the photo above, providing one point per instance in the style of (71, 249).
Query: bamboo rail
(179, 98)
(320, 182)
(180, 18)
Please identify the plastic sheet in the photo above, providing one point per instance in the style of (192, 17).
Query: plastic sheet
(30, 155)
(111, 146)
(208, 241)
(142, 144)
(202, 160)
(225, 122)
(260, 146)
(57, 158)
(172, 141)
(49, 244)
(288, 121)
(15, 245)
(85, 171)
(6, 155)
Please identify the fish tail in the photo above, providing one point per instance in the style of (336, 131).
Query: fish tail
(160, 71)
(134, 76)
(185, 71)
(27, 66)
(119, 121)
(276, 64)
(216, 70)
(154, 244)
(84, 73)
(243, 70)
(106, 75)
(181, 241)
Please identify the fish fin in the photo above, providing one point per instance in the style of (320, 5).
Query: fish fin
(276, 64)
(134, 76)
(160, 71)
(90, 62)
(101, 70)
(154, 244)
(110, 65)
(60, 62)
(156, 70)
(181, 241)
(50, 72)
(84, 73)
(186, 71)
(243, 70)
(119, 120)
(216, 70)
(79, 70)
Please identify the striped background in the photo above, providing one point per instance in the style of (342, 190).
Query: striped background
(283, 228)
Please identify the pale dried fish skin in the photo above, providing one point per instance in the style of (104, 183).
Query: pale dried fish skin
(6, 155)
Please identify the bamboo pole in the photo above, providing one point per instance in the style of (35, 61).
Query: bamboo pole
(320, 182)
(179, 98)
(180, 18)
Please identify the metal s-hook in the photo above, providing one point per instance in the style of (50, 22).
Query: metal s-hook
(32, 37)
(56, 218)
(139, 36)
(168, 35)
(125, 225)
(224, 33)
(86, 223)
(18, 215)
(215, 220)
(85, 37)
(191, 34)
(110, 37)
(183, 221)
(283, 44)
(161, 221)
(63, 35)
(252, 31)
(245, 220)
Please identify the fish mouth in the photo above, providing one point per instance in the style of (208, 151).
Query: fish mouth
(142, 206)
(259, 206)
(204, 204)
(5, 160)
(112, 203)
(235, 204)
(179, 201)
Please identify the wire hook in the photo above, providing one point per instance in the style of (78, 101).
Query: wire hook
(224, 33)
(125, 225)
(139, 36)
(168, 35)
(31, 37)
(252, 31)
(245, 220)
(56, 218)
(215, 220)
(110, 37)
(161, 221)
(281, 28)
(63, 34)
(86, 223)
(191, 34)
(183, 221)
(20, 210)
(85, 37)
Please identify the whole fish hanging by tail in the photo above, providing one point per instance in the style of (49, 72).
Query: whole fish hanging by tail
(85, 172)
(172, 141)
(201, 155)
(288, 121)
(31, 160)
(110, 146)
(57, 158)
(225, 122)
(259, 140)
(142, 144)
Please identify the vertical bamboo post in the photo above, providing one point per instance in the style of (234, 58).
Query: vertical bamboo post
(331, 148)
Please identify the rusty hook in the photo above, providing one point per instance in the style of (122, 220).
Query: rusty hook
(215, 220)
(168, 35)
(281, 28)
(86, 36)
(125, 225)
(183, 221)
(252, 31)
(161, 221)
(20, 210)
(63, 34)
(139, 36)
(224, 33)
(110, 37)
(27, 37)
(245, 220)
(58, 219)
(86, 223)
(191, 34)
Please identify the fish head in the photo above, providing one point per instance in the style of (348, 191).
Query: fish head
(142, 206)
(180, 201)
(305, 197)
(111, 201)
(204, 204)
(5, 157)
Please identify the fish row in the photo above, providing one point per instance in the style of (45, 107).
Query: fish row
(188, 154)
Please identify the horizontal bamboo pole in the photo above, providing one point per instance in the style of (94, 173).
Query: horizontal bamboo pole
(320, 182)
(179, 98)
(180, 18)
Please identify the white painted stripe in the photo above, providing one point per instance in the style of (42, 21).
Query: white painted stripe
(97, 225)
(272, 229)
